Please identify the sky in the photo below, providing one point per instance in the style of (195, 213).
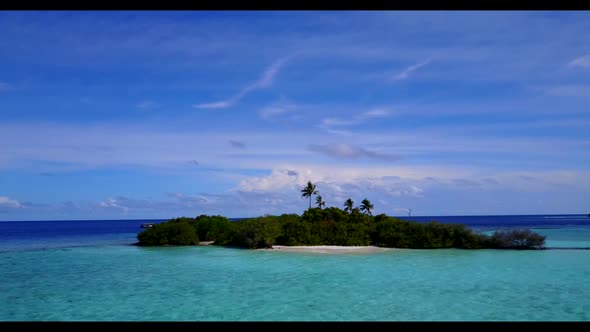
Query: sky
(147, 114)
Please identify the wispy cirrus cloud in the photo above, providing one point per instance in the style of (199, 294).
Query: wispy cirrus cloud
(382, 112)
(4, 87)
(574, 90)
(581, 62)
(376, 113)
(278, 108)
(264, 81)
(147, 104)
(345, 151)
(409, 70)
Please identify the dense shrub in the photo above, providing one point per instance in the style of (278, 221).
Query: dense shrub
(214, 228)
(296, 233)
(517, 239)
(392, 232)
(257, 232)
(351, 234)
(169, 233)
(332, 226)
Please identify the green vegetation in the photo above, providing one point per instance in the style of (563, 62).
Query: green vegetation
(353, 226)
(320, 202)
(169, 233)
(517, 239)
(309, 191)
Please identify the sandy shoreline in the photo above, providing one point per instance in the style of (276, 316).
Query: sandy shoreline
(330, 249)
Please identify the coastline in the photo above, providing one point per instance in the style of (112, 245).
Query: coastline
(330, 249)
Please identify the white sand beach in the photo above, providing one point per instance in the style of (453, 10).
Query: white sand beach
(330, 249)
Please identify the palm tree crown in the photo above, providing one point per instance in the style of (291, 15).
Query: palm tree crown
(319, 202)
(348, 205)
(366, 206)
(308, 191)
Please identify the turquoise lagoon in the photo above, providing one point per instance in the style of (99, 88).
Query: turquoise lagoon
(103, 278)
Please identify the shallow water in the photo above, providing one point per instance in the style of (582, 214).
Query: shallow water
(211, 283)
(109, 280)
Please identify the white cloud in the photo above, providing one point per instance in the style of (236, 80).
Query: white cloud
(6, 87)
(265, 81)
(9, 203)
(147, 104)
(376, 113)
(219, 104)
(340, 176)
(269, 74)
(56, 148)
(278, 108)
(113, 204)
(582, 62)
(570, 91)
(271, 111)
(338, 122)
(406, 72)
(345, 151)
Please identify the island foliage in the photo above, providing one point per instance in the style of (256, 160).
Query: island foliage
(351, 226)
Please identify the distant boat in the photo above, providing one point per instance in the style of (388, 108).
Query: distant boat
(147, 225)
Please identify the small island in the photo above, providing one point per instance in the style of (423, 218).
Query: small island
(331, 226)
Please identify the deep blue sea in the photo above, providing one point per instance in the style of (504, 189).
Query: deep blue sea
(88, 271)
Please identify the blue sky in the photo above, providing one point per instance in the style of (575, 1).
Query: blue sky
(162, 114)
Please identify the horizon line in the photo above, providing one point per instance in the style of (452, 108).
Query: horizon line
(420, 216)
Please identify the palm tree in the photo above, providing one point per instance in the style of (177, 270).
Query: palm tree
(319, 202)
(348, 205)
(309, 191)
(366, 206)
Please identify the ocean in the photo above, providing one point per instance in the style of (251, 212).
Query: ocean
(89, 271)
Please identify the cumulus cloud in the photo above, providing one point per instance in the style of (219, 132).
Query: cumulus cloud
(345, 151)
(264, 81)
(581, 62)
(7, 202)
(336, 180)
(112, 203)
(407, 190)
(277, 180)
